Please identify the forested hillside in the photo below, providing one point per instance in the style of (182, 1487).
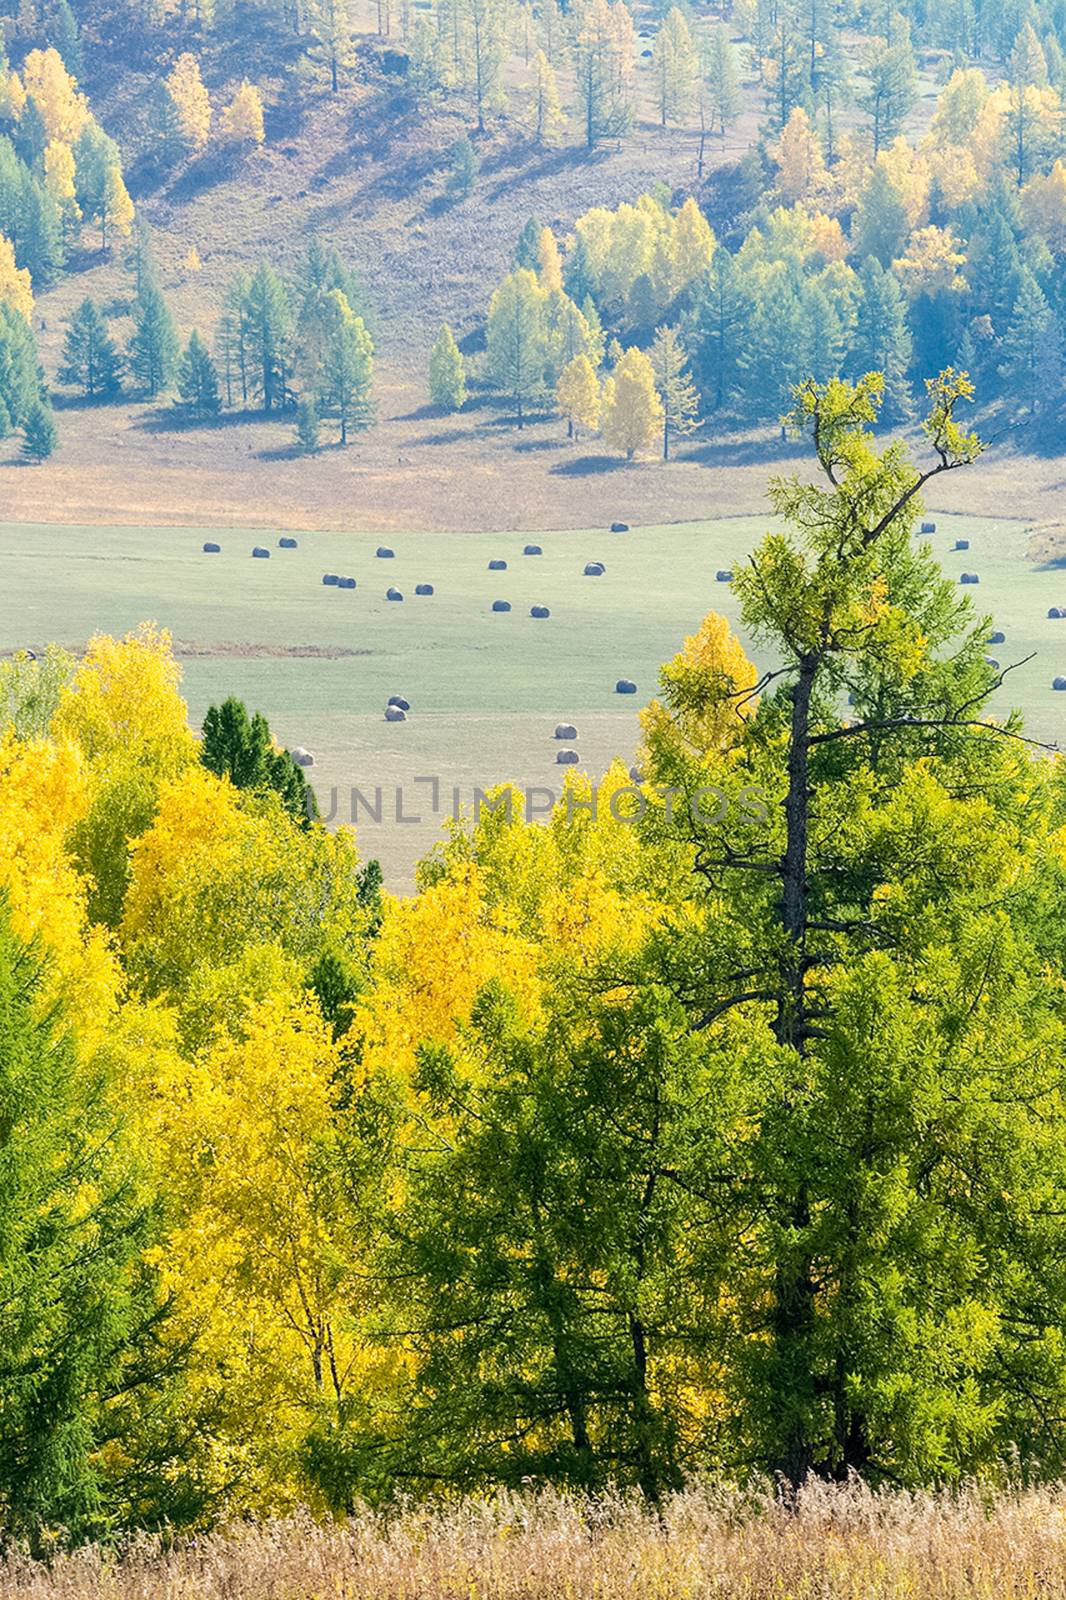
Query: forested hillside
(496, 191)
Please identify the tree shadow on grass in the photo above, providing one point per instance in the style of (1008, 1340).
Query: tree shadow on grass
(587, 466)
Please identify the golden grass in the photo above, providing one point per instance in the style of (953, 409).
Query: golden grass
(708, 1544)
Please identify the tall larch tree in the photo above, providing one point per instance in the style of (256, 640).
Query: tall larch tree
(447, 374)
(347, 366)
(330, 24)
(517, 339)
(547, 120)
(90, 360)
(675, 67)
(242, 119)
(192, 106)
(577, 396)
(632, 413)
(677, 393)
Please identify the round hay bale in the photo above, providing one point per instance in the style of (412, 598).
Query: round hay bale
(566, 730)
(635, 775)
(345, 583)
(394, 714)
(497, 566)
(1054, 612)
(594, 569)
(625, 686)
(928, 527)
(501, 605)
(302, 757)
(398, 700)
(566, 758)
(423, 588)
(330, 578)
(996, 638)
(961, 544)
(990, 661)
(851, 699)
(532, 550)
(540, 612)
(393, 594)
(212, 549)
(384, 552)
(1058, 683)
(724, 575)
(287, 544)
(619, 527)
(969, 577)
(259, 553)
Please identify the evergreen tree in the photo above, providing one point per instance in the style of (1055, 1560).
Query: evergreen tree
(38, 433)
(462, 169)
(242, 749)
(1031, 368)
(269, 333)
(64, 36)
(91, 361)
(307, 425)
(153, 350)
(73, 1229)
(447, 376)
(891, 82)
(880, 227)
(20, 383)
(347, 366)
(721, 75)
(674, 66)
(198, 380)
(527, 250)
(716, 332)
(331, 31)
(882, 341)
(676, 391)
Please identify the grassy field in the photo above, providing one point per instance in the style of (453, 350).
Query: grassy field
(712, 1544)
(486, 689)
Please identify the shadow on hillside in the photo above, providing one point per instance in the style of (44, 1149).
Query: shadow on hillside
(588, 466)
(172, 419)
(729, 451)
(530, 163)
(528, 447)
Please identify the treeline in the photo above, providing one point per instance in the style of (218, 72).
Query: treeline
(951, 251)
(716, 1125)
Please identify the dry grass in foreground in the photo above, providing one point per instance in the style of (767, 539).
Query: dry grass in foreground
(706, 1545)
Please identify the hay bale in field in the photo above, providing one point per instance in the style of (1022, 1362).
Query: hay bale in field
(566, 758)
(393, 594)
(635, 775)
(594, 569)
(212, 549)
(961, 544)
(724, 575)
(969, 577)
(259, 553)
(619, 527)
(625, 686)
(287, 544)
(302, 757)
(423, 588)
(345, 583)
(540, 612)
(384, 552)
(565, 730)
(501, 605)
(990, 661)
(928, 527)
(532, 550)
(1058, 683)
(398, 700)
(497, 566)
(1054, 613)
(394, 714)
(996, 638)
(330, 578)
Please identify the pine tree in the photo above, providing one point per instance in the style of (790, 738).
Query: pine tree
(198, 380)
(153, 350)
(447, 376)
(880, 227)
(463, 169)
(20, 381)
(517, 338)
(721, 73)
(331, 31)
(676, 391)
(674, 67)
(242, 749)
(425, 71)
(347, 366)
(882, 341)
(603, 68)
(307, 425)
(268, 319)
(632, 413)
(484, 49)
(577, 396)
(38, 433)
(1031, 367)
(90, 359)
(63, 34)
(891, 82)
(527, 250)
(716, 332)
